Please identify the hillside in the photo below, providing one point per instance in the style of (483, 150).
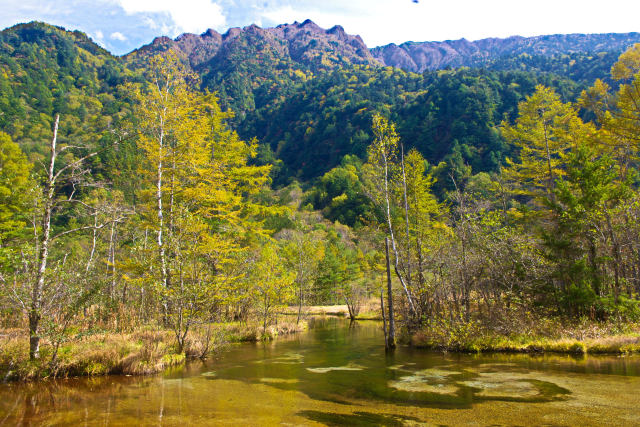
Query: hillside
(46, 70)
(439, 113)
(246, 66)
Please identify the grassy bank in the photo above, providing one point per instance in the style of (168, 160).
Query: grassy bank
(582, 339)
(140, 352)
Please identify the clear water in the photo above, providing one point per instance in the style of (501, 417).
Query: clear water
(337, 373)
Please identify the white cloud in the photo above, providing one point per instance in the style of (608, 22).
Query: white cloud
(187, 15)
(165, 29)
(118, 36)
(98, 37)
(377, 21)
(150, 23)
(385, 21)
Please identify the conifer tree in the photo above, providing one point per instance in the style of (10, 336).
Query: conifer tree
(545, 131)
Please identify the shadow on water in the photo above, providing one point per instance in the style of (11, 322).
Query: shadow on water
(357, 418)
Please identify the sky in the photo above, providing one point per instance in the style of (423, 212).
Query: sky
(123, 25)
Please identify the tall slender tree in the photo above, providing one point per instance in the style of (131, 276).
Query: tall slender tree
(545, 131)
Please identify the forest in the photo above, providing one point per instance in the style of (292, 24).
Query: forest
(144, 222)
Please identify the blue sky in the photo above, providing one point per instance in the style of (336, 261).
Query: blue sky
(123, 25)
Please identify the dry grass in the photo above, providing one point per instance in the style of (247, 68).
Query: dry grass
(620, 344)
(142, 352)
(369, 310)
(138, 353)
(318, 310)
(249, 332)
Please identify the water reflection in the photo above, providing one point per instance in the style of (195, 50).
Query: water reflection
(338, 373)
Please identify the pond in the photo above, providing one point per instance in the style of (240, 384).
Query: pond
(337, 373)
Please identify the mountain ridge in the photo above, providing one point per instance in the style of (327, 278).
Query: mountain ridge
(311, 47)
(434, 55)
(409, 56)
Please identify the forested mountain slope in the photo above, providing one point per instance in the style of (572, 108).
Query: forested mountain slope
(247, 66)
(46, 70)
(307, 94)
(438, 113)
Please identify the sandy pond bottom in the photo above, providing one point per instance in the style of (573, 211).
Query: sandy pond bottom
(336, 374)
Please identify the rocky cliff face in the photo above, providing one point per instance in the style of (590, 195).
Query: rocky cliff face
(418, 57)
(305, 43)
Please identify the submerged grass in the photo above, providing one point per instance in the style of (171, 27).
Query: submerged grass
(141, 352)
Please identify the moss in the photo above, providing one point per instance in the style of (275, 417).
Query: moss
(630, 349)
(570, 347)
(173, 359)
(95, 368)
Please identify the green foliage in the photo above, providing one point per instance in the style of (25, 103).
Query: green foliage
(623, 308)
(329, 116)
(545, 131)
(46, 70)
(586, 200)
(340, 195)
(338, 269)
(583, 68)
(15, 189)
(271, 283)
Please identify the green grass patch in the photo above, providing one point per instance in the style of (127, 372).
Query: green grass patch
(483, 341)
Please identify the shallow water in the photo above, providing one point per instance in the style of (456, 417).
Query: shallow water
(339, 374)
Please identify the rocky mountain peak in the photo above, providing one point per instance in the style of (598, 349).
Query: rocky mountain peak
(304, 42)
(232, 32)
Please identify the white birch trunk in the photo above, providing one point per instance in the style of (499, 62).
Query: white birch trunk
(36, 294)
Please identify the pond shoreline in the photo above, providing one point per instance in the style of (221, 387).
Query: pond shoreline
(337, 373)
(606, 344)
(369, 312)
(570, 347)
(148, 351)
